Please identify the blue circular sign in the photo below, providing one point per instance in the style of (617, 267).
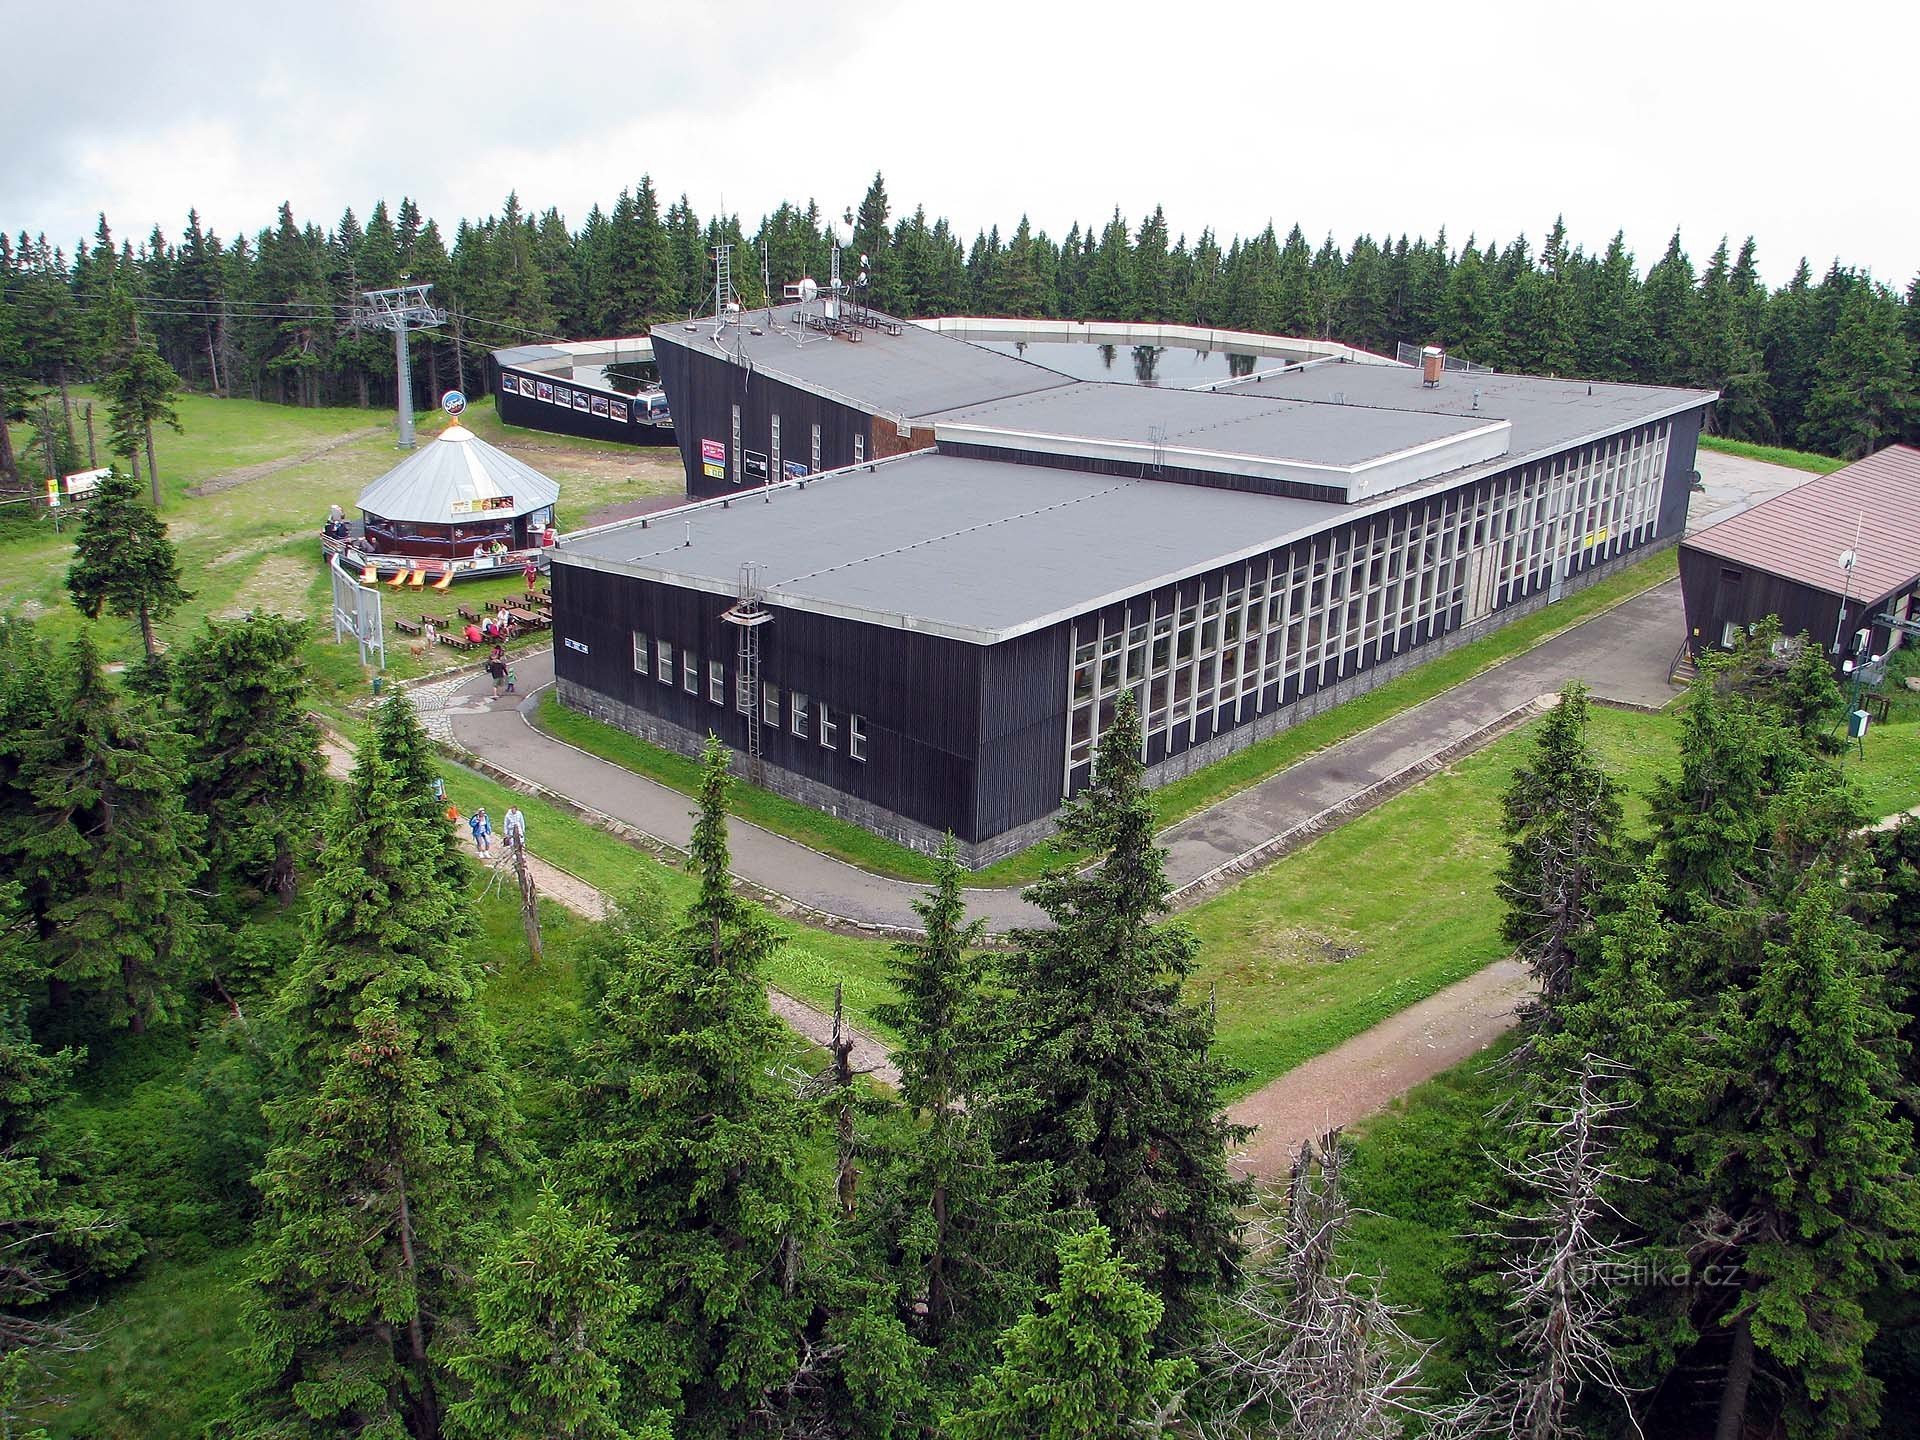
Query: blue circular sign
(453, 402)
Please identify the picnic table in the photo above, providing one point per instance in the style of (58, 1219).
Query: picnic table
(531, 619)
(437, 621)
(467, 612)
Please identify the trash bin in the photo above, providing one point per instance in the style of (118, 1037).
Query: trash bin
(379, 684)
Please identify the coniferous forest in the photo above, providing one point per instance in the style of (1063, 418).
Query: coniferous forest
(433, 1181)
(1825, 362)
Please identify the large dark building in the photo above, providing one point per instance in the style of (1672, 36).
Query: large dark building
(1788, 556)
(950, 627)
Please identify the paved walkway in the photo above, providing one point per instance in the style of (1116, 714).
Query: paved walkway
(1622, 653)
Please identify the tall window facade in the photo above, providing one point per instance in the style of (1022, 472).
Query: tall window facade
(1216, 650)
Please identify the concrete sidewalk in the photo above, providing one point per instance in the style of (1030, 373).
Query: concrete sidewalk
(1622, 653)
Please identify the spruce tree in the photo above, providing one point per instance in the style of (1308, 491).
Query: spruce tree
(1108, 1077)
(123, 562)
(551, 1308)
(696, 1152)
(402, 744)
(396, 1107)
(255, 773)
(58, 1223)
(1562, 822)
(107, 784)
(140, 393)
(965, 1234)
(1809, 1163)
(1080, 1365)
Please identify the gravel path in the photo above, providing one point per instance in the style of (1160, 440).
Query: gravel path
(1354, 1080)
(233, 479)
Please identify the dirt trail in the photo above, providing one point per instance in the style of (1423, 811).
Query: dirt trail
(869, 1056)
(232, 479)
(1353, 1080)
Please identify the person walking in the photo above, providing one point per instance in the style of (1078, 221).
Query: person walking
(513, 825)
(497, 672)
(532, 576)
(482, 829)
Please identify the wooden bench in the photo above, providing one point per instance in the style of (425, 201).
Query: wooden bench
(438, 622)
(456, 641)
(467, 612)
(406, 627)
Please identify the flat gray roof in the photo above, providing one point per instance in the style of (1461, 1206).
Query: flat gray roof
(975, 550)
(1233, 434)
(1547, 415)
(912, 374)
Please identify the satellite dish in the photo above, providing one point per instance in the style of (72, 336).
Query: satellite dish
(808, 288)
(1847, 559)
(864, 262)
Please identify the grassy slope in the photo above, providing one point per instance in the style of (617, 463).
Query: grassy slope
(1773, 454)
(1172, 802)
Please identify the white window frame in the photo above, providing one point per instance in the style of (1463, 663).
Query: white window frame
(769, 704)
(798, 708)
(827, 728)
(642, 652)
(733, 458)
(816, 449)
(859, 449)
(856, 738)
(689, 672)
(663, 661)
(717, 682)
(773, 446)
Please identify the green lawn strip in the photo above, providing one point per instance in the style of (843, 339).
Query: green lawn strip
(1773, 454)
(825, 833)
(809, 962)
(1383, 912)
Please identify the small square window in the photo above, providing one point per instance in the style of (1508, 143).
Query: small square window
(800, 713)
(829, 727)
(769, 704)
(689, 673)
(663, 655)
(642, 648)
(717, 682)
(856, 737)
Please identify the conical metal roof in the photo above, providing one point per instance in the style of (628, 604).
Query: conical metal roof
(450, 480)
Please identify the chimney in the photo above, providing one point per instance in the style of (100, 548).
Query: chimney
(1433, 362)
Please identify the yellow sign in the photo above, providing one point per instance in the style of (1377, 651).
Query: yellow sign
(1599, 537)
(53, 493)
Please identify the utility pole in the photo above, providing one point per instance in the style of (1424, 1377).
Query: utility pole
(402, 310)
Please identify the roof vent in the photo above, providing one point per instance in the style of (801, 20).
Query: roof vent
(1433, 362)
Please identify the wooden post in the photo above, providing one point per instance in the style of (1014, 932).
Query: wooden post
(93, 456)
(847, 1176)
(529, 900)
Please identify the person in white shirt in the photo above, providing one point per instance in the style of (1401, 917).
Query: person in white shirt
(514, 826)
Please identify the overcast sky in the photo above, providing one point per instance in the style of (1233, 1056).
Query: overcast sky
(1793, 123)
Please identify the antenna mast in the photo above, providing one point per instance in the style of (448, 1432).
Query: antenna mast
(401, 310)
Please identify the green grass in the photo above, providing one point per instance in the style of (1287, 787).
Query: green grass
(255, 545)
(1773, 454)
(808, 963)
(826, 833)
(1172, 802)
(1397, 904)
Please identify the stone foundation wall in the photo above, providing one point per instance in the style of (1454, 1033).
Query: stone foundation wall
(917, 836)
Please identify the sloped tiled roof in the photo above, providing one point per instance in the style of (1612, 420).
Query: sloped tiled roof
(1801, 533)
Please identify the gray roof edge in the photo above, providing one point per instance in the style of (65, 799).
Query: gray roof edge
(705, 347)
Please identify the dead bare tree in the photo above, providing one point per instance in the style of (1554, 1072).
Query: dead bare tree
(1564, 1266)
(529, 896)
(1308, 1350)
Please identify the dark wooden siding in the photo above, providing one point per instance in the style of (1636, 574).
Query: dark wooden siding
(1023, 729)
(517, 409)
(702, 391)
(1719, 592)
(919, 694)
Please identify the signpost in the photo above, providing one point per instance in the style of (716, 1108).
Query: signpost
(356, 612)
